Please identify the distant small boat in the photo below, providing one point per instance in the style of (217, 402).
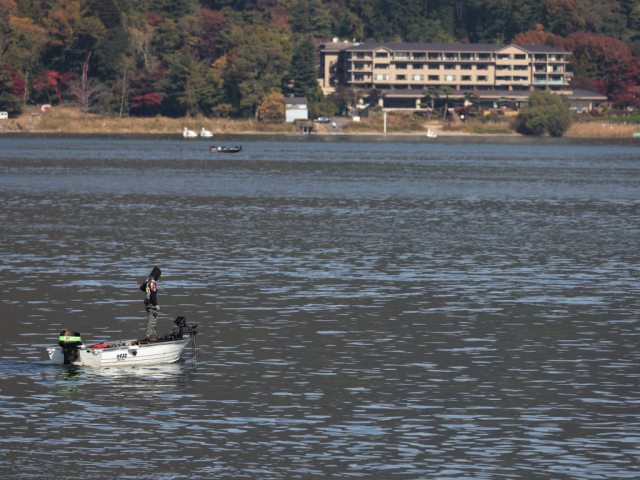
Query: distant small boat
(431, 134)
(637, 135)
(219, 149)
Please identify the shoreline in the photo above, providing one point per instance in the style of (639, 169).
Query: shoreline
(457, 136)
(69, 121)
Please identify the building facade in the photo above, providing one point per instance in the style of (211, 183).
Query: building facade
(295, 108)
(404, 70)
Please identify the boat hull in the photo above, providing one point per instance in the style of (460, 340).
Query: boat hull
(132, 352)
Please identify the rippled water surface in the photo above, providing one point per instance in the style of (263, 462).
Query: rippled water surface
(367, 309)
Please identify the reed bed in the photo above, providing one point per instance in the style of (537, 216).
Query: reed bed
(72, 120)
(395, 124)
(601, 130)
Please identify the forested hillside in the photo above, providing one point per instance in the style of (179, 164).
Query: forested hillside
(223, 57)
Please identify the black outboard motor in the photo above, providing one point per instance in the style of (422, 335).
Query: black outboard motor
(70, 343)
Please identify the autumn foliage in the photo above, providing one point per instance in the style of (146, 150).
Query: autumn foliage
(225, 58)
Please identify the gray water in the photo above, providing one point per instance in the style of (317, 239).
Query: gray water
(367, 308)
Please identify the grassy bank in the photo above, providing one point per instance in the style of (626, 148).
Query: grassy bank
(601, 130)
(400, 123)
(71, 120)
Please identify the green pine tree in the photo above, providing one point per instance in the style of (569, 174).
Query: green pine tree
(303, 71)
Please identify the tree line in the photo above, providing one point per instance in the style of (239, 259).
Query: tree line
(223, 58)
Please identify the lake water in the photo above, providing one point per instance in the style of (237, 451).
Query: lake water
(368, 308)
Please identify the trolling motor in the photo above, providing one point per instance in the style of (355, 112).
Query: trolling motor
(70, 343)
(181, 329)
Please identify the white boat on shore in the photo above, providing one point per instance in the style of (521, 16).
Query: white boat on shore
(71, 350)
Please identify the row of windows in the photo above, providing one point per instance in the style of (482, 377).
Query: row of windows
(461, 56)
(431, 78)
(419, 66)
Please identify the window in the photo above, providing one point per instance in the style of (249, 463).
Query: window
(466, 56)
(449, 67)
(434, 78)
(520, 56)
(450, 56)
(418, 56)
(434, 56)
(520, 79)
(503, 67)
(417, 66)
(402, 55)
(357, 54)
(504, 56)
(434, 66)
(484, 56)
(381, 77)
(482, 67)
(482, 78)
(503, 79)
(383, 66)
(449, 78)
(382, 55)
(465, 78)
(540, 57)
(358, 66)
(401, 77)
(465, 67)
(401, 66)
(358, 77)
(556, 58)
(417, 77)
(520, 67)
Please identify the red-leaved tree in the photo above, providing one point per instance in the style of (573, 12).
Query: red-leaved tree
(146, 105)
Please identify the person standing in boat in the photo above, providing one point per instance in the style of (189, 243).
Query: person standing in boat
(151, 301)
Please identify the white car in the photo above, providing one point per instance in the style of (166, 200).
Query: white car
(323, 119)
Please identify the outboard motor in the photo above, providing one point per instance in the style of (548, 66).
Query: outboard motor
(70, 343)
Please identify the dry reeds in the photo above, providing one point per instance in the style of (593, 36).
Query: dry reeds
(71, 120)
(601, 130)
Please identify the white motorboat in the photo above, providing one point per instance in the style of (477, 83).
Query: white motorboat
(431, 134)
(71, 350)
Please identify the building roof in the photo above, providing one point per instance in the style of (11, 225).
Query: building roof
(295, 101)
(335, 46)
(446, 47)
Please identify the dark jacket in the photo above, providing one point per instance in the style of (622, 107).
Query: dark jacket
(152, 292)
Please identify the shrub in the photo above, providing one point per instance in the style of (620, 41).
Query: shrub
(545, 113)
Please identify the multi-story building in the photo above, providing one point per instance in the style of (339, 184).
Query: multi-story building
(402, 71)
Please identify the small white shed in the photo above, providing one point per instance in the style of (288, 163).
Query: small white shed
(295, 108)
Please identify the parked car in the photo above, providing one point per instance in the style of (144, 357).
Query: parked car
(323, 119)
